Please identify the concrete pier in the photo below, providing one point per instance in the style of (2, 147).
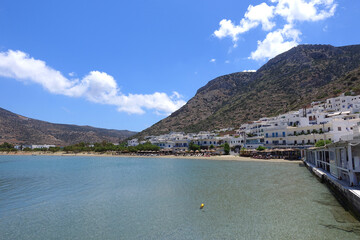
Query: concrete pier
(349, 197)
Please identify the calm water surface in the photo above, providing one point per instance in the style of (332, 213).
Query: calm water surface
(49, 197)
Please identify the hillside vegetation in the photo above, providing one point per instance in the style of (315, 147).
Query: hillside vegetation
(17, 129)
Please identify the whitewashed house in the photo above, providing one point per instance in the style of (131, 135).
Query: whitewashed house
(340, 159)
(133, 142)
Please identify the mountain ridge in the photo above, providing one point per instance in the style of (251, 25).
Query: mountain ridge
(18, 129)
(286, 82)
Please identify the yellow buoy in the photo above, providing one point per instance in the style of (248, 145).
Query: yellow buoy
(202, 206)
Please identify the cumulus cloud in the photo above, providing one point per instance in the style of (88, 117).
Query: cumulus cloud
(276, 42)
(284, 37)
(212, 60)
(98, 87)
(302, 10)
(255, 15)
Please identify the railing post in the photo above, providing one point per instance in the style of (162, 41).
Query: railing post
(352, 176)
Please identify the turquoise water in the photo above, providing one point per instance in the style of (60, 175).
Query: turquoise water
(50, 197)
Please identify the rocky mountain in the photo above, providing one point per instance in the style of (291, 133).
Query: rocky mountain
(17, 129)
(287, 82)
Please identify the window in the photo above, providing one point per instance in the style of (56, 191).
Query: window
(284, 142)
(267, 135)
(329, 129)
(308, 131)
(267, 142)
(283, 134)
(308, 141)
(339, 129)
(273, 134)
(276, 134)
(295, 142)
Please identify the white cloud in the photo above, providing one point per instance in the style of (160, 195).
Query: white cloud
(261, 13)
(249, 71)
(302, 10)
(227, 61)
(255, 15)
(283, 38)
(276, 42)
(72, 74)
(212, 60)
(98, 87)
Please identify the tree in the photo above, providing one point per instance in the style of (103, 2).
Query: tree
(7, 147)
(54, 149)
(148, 146)
(193, 146)
(260, 148)
(226, 149)
(322, 143)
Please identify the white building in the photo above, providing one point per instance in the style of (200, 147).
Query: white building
(343, 103)
(42, 146)
(133, 142)
(340, 159)
(306, 136)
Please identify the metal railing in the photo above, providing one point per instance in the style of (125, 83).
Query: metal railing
(333, 165)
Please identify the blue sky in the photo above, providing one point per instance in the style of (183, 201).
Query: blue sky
(128, 64)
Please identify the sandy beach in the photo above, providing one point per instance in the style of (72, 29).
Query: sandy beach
(93, 154)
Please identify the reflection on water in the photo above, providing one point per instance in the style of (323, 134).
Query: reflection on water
(132, 198)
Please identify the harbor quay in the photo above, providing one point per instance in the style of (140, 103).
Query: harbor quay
(338, 166)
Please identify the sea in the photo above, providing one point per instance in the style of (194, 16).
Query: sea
(63, 197)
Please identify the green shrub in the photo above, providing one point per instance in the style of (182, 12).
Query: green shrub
(226, 149)
(322, 143)
(260, 148)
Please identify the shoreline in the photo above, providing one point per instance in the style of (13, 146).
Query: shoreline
(216, 158)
